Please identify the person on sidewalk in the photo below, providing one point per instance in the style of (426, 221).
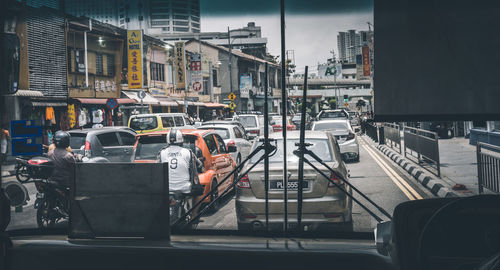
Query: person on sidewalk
(4, 141)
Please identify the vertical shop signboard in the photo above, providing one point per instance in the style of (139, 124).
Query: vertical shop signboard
(180, 66)
(134, 49)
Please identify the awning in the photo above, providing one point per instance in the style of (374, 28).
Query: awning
(166, 102)
(48, 104)
(196, 103)
(102, 101)
(215, 105)
(149, 99)
(27, 93)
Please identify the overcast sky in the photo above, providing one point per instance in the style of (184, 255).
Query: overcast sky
(311, 26)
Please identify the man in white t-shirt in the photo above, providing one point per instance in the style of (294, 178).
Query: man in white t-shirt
(182, 170)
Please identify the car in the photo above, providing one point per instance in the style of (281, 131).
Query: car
(113, 143)
(208, 146)
(332, 114)
(232, 135)
(276, 123)
(224, 122)
(297, 118)
(344, 134)
(253, 123)
(144, 123)
(353, 118)
(324, 205)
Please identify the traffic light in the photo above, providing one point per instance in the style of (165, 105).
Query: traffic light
(346, 98)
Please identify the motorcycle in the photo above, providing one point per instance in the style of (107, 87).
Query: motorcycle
(51, 203)
(180, 204)
(38, 167)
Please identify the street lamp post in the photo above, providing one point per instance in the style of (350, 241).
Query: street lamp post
(230, 61)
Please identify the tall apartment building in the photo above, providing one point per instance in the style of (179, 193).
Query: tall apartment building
(157, 18)
(349, 44)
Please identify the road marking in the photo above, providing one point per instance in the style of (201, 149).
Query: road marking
(411, 193)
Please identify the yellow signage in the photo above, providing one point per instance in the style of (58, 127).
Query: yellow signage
(180, 66)
(232, 96)
(134, 48)
(232, 105)
(71, 115)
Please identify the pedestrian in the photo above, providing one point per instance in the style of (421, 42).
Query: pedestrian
(4, 141)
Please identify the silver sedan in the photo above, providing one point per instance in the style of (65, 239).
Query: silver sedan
(344, 134)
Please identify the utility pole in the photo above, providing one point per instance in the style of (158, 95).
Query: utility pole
(230, 62)
(335, 79)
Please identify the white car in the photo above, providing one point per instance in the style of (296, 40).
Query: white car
(253, 123)
(344, 134)
(233, 135)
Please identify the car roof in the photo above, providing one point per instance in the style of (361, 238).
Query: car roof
(196, 132)
(296, 135)
(158, 114)
(217, 126)
(221, 122)
(332, 121)
(99, 130)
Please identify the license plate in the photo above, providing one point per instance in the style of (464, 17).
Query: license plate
(40, 195)
(292, 185)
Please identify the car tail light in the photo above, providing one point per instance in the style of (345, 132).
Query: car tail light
(244, 182)
(335, 179)
(350, 136)
(231, 142)
(87, 148)
(37, 161)
(255, 132)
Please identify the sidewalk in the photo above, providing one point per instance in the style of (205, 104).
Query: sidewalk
(459, 163)
(458, 166)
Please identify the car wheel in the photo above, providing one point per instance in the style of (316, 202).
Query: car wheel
(22, 174)
(214, 196)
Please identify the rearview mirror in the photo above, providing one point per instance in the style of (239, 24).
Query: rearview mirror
(232, 148)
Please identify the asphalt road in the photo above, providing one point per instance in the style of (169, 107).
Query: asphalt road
(374, 175)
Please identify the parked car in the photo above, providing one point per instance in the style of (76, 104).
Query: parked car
(113, 143)
(344, 134)
(277, 124)
(232, 135)
(297, 118)
(324, 205)
(253, 123)
(206, 144)
(332, 114)
(144, 123)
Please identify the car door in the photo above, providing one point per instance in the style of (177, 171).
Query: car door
(224, 160)
(127, 141)
(110, 145)
(179, 121)
(167, 122)
(241, 142)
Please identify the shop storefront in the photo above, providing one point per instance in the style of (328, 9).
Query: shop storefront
(94, 113)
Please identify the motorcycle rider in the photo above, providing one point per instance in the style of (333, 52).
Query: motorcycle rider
(64, 161)
(183, 164)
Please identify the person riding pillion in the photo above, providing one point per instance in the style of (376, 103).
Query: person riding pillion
(183, 164)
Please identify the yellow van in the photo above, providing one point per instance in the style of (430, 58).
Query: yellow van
(145, 123)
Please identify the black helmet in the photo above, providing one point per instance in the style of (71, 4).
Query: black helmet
(61, 139)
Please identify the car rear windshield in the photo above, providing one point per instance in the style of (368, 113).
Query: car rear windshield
(330, 126)
(77, 140)
(321, 147)
(248, 121)
(326, 115)
(223, 132)
(148, 147)
(144, 123)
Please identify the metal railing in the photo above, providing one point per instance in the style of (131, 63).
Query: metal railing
(424, 146)
(488, 167)
(370, 129)
(393, 135)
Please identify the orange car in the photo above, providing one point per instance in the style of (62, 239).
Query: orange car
(216, 158)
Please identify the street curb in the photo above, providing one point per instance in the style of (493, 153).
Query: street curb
(435, 186)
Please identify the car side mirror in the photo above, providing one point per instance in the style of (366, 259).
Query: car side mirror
(383, 235)
(357, 130)
(232, 148)
(344, 156)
